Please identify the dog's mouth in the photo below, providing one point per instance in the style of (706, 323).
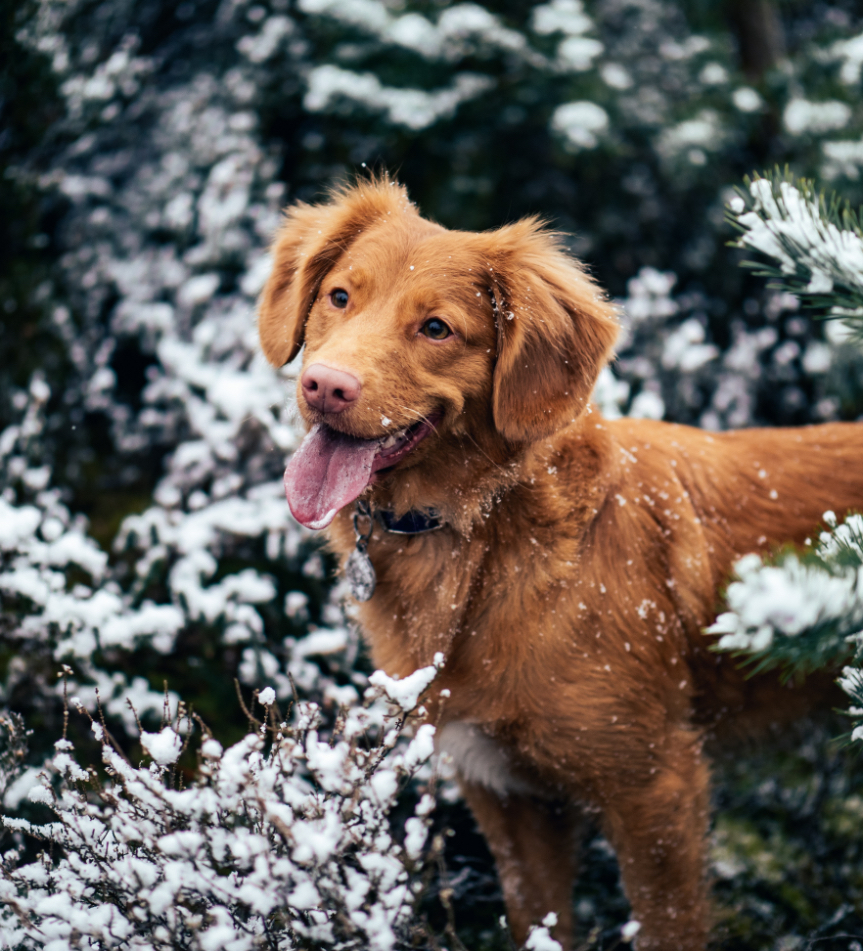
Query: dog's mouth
(331, 469)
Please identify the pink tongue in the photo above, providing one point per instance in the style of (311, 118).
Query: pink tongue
(327, 472)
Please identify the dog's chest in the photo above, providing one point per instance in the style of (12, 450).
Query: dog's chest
(425, 594)
(480, 604)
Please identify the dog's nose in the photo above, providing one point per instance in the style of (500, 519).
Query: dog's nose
(329, 390)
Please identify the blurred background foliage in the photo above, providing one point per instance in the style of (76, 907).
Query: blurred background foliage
(146, 149)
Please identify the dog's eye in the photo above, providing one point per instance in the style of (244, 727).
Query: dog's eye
(435, 329)
(339, 297)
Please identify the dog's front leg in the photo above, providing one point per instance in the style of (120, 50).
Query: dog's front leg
(656, 817)
(535, 844)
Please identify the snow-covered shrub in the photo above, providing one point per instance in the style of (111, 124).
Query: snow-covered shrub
(282, 840)
(66, 600)
(670, 367)
(801, 610)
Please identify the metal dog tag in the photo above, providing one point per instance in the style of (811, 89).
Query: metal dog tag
(360, 573)
(359, 569)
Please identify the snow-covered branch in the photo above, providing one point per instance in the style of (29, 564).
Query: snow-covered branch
(800, 609)
(815, 244)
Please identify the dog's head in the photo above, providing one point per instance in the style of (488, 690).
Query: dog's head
(418, 339)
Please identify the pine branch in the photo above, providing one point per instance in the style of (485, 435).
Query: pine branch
(813, 244)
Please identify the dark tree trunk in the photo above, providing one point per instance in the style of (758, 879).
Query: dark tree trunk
(759, 33)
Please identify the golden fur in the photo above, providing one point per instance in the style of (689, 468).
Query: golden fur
(582, 558)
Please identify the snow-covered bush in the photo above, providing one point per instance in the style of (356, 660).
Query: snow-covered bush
(851, 682)
(282, 840)
(800, 611)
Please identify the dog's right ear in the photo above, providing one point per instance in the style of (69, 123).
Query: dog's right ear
(308, 244)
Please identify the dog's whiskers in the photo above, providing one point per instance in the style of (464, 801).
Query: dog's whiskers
(414, 414)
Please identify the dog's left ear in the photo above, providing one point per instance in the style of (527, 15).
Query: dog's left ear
(555, 332)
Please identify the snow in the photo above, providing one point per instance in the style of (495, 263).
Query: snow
(685, 347)
(163, 747)
(850, 53)
(615, 76)
(817, 358)
(141, 856)
(406, 692)
(801, 116)
(703, 131)
(746, 99)
(610, 394)
(851, 682)
(321, 643)
(581, 123)
(412, 108)
(842, 159)
(578, 53)
(17, 525)
(713, 74)
(296, 603)
(789, 228)
(19, 789)
(415, 32)
(267, 697)
(564, 16)
(178, 239)
(648, 295)
(540, 938)
(460, 29)
(198, 290)
(647, 405)
(258, 49)
(370, 15)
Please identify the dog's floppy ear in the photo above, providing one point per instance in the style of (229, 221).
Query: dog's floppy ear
(306, 246)
(555, 332)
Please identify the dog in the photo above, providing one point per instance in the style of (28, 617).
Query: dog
(565, 565)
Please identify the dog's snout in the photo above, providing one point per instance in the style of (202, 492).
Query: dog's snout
(330, 390)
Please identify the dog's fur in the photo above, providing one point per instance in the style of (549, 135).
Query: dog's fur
(581, 558)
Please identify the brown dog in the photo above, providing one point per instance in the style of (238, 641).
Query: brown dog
(577, 561)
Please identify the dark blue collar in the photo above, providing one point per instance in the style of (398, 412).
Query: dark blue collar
(414, 522)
